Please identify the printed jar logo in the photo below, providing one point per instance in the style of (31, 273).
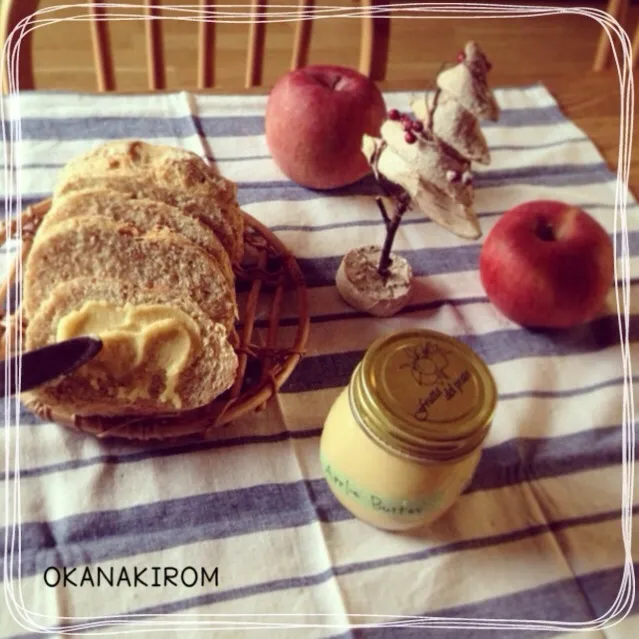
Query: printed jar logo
(431, 367)
(428, 363)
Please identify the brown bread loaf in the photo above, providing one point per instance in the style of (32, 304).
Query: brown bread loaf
(172, 175)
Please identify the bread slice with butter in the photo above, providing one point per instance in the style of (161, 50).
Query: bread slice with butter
(144, 214)
(96, 247)
(162, 352)
(185, 180)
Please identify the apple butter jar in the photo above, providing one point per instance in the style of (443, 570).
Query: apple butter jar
(403, 439)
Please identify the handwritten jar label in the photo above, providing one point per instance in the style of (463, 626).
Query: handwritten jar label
(378, 503)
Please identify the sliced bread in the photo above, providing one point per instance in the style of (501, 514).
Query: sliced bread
(97, 247)
(162, 352)
(188, 180)
(144, 214)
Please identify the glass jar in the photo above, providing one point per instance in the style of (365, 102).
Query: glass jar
(403, 439)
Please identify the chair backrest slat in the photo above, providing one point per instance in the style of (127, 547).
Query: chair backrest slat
(154, 50)
(618, 9)
(206, 48)
(374, 43)
(257, 36)
(302, 42)
(11, 13)
(373, 53)
(102, 48)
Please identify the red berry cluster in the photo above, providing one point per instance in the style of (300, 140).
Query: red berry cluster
(411, 127)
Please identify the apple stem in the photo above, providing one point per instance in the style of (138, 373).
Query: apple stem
(545, 231)
(391, 230)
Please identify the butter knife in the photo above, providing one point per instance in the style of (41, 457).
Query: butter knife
(46, 363)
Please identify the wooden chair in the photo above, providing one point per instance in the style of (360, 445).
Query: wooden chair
(374, 40)
(618, 9)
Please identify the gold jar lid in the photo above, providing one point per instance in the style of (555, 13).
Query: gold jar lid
(424, 395)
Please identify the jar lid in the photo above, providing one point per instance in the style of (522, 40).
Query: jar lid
(424, 395)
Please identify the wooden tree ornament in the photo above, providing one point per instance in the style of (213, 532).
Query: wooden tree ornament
(423, 162)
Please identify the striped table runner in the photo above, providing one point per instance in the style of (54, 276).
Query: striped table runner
(245, 520)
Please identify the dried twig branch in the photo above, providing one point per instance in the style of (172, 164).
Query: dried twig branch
(382, 209)
(437, 90)
(431, 111)
(401, 205)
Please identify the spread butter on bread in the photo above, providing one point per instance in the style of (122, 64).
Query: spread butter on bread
(162, 352)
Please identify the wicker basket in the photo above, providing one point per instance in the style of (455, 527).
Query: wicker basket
(268, 279)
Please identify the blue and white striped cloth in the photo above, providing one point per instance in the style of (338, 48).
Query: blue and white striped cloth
(537, 535)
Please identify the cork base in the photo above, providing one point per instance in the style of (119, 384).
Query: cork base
(362, 287)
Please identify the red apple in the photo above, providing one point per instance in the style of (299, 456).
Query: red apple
(315, 119)
(547, 264)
